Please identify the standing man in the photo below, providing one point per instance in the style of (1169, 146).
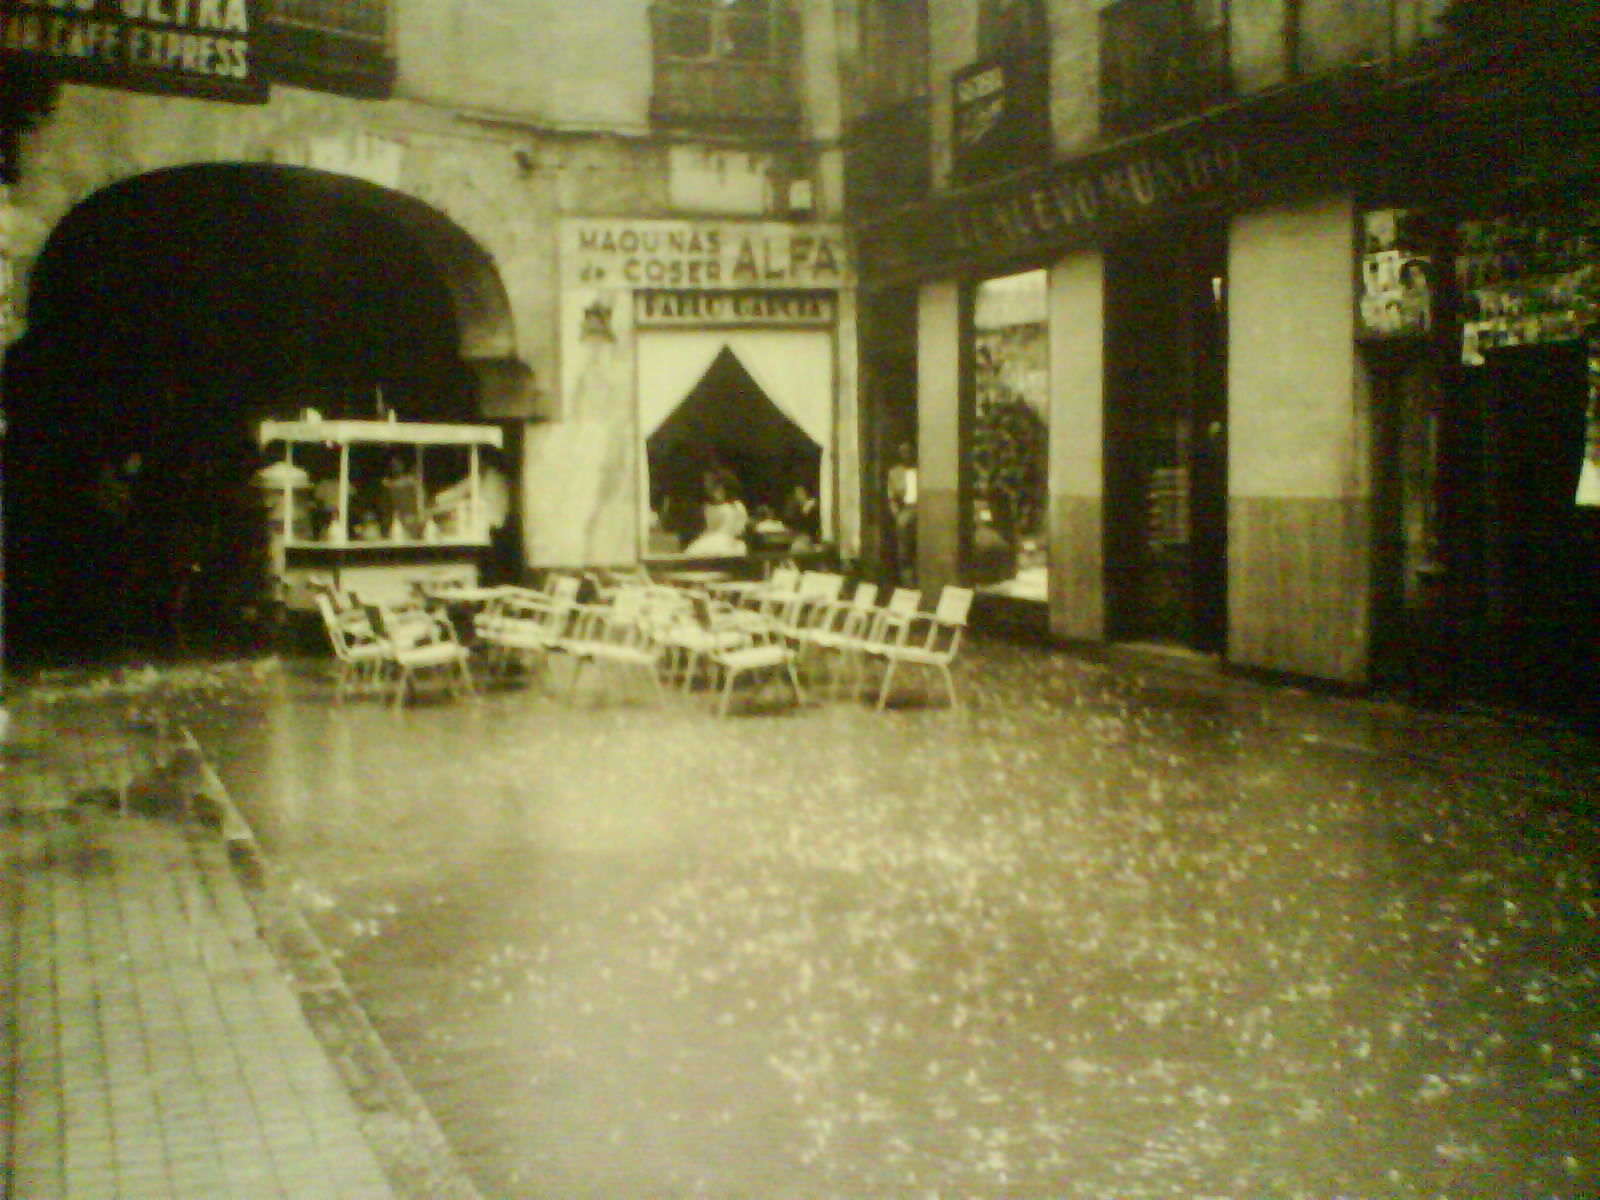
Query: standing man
(903, 510)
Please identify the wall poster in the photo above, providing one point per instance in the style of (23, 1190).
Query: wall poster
(1396, 275)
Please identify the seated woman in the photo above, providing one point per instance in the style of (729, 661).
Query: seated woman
(726, 519)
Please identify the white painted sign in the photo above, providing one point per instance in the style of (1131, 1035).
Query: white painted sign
(623, 253)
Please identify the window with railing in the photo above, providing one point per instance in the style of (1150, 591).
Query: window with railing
(1160, 60)
(329, 45)
(888, 145)
(724, 63)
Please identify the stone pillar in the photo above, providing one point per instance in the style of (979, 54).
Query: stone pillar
(940, 338)
(1077, 445)
(1299, 512)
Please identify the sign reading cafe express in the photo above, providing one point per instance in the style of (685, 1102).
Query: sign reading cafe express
(185, 47)
(620, 253)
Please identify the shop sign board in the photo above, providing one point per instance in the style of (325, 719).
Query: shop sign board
(203, 48)
(1154, 177)
(694, 255)
(665, 309)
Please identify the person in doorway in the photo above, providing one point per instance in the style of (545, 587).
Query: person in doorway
(110, 565)
(803, 517)
(902, 491)
(726, 518)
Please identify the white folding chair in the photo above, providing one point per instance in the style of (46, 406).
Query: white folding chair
(928, 640)
(836, 629)
(361, 657)
(423, 643)
(525, 625)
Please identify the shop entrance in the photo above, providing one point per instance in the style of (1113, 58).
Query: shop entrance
(752, 408)
(1166, 437)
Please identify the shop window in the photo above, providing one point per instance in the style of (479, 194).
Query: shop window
(1159, 60)
(1009, 438)
(724, 63)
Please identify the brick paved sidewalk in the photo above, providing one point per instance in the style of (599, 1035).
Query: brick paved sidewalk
(155, 1046)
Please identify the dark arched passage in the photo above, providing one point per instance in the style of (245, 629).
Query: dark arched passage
(166, 316)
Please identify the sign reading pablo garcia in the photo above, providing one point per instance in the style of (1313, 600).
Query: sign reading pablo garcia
(622, 253)
(655, 308)
(184, 47)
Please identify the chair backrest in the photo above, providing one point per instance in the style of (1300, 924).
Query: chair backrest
(784, 578)
(330, 622)
(866, 595)
(905, 600)
(565, 588)
(954, 605)
(341, 626)
(820, 585)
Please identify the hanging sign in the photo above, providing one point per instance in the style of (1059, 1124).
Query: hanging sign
(200, 48)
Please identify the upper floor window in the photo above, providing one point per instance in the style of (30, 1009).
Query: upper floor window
(723, 61)
(1000, 104)
(718, 30)
(368, 19)
(1009, 25)
(1160, 59)
(329, 45)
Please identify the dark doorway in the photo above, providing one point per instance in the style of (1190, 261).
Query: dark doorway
(1411, 623)
(889, 434)
(728, 422)
(167, 315)
(1538, 571)
(1166, 437)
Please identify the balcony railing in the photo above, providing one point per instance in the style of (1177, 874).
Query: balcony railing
(888, 158)
(720, 66)
(1160, 60)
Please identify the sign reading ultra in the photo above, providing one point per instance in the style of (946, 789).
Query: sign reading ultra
(619, 253)
(186, 47)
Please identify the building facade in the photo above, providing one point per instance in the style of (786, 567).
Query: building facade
(1185, 301)
(599, 203)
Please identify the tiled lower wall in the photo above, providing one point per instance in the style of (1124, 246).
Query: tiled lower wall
(1298, 585)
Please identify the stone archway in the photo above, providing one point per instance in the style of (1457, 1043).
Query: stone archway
(168, 312)
(478, 296)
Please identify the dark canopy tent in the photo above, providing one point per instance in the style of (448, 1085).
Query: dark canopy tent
(728, 421)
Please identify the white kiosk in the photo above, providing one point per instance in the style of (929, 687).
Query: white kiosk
(346, 529)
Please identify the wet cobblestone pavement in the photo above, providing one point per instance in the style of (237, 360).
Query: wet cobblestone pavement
(1103, 933)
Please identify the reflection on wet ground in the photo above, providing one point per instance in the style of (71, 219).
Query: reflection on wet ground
(1095, 936)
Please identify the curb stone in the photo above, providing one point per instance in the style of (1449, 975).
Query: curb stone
(408, 1144)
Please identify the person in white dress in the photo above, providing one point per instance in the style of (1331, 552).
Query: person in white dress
(726, 519)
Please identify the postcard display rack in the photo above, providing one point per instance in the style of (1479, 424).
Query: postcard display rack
(327, 531)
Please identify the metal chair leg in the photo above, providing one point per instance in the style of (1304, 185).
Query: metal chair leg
(888, 678)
